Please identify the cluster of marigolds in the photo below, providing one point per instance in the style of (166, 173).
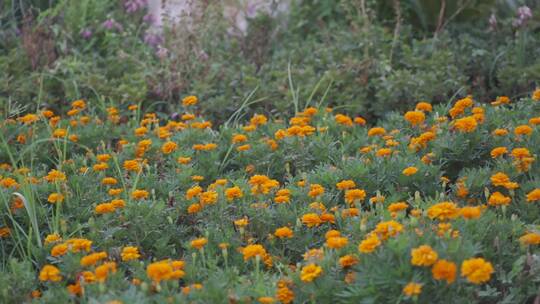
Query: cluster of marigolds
(464, 117)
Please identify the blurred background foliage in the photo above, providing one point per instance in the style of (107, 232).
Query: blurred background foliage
(364, 55)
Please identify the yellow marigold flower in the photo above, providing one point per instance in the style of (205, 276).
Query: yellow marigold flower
(52, 238)
(533, 196)
(423, 256)
(55, 198)
(385, 230)
(283, 232)
(130, 253)
(93, 258)
(443, 211)
(470, 212)
(310, 272)
(369, 244)
(498, 152)
(168, 147)
(100, 167)
(531, 238)
(345, 185)
(28, 119)
(59, 250)
(190, 100)
(523, 130)
(410, 171)
(241, 222)
(337, 242)
(500, 132)
(208, 198)
(55, 176)
(104, 208)
(199, 243)
(251, 251)
(59, 133)
(424, 106)
(354, 195)
(466, 124)
(412, 289)
(193, 192)
(50, 273)
(444, 270)
(311, 219)
(498, 199)
(139, 194)
(258, 120)
(477, 270)
(376, 131)
(77, 245)
(415, 117)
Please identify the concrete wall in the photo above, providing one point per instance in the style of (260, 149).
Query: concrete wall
(235, 11)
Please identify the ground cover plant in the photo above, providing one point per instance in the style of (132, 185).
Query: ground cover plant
(121, 204)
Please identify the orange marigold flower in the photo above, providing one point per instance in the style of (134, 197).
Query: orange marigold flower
(531, 238)
(424, 106)
(500, 132)
(190, 100)
(311, 219)
(498, 199)
(251, 251)
(410, 171)
(337, 242)
(444, 270)
(199, 243)
(466, 124)
(93, 258)
(168, 147)
(533, 196)
(283, 232)
(523, 130)
(498, 152)
(376, 131)
(50, 273)
(139, 194)
(415, 117)
(470, 212)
